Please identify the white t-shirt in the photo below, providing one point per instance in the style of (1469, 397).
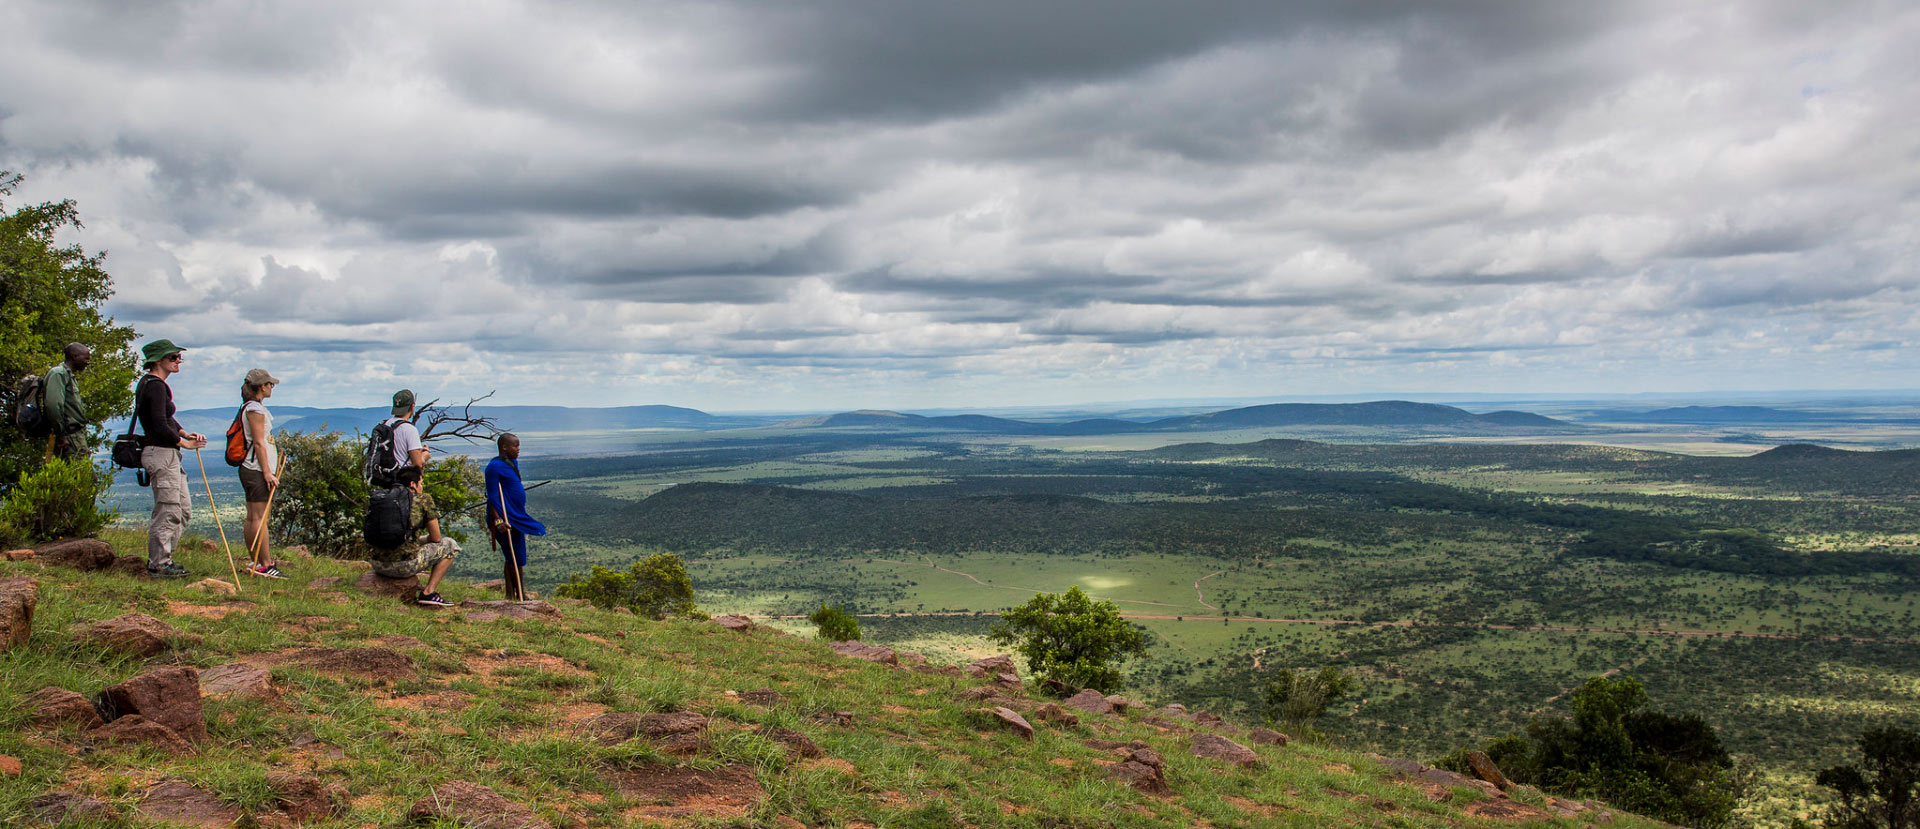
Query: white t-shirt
(252, 462)
(406, 438)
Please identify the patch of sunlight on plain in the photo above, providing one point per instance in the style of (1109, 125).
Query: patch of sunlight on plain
(1101, 582)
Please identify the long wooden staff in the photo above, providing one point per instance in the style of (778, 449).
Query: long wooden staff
(267, 518)
(216, 519)
(513, 558)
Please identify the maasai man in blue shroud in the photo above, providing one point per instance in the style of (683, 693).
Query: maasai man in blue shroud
(507, 518)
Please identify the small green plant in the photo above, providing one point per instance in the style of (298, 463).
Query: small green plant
(1073, 639)
(59, 500)
(1298, 697)
(836, 625)
(656, 587)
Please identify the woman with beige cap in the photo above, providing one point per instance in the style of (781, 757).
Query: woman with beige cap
(259, 473)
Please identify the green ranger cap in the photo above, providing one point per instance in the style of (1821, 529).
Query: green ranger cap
(402, 401)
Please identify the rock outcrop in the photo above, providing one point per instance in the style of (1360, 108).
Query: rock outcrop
(77, 553)
(1143, 769)
(1014, 722)
(55, 707)
(475, 806)
(1090, 701)
(1216, 747)
(169, 696)
(18, 597)
(135, 729)
(133, 634)
(862, 650)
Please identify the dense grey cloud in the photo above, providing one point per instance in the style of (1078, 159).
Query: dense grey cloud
(816, 204)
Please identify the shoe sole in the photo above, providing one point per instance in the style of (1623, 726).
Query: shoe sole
(266, 575)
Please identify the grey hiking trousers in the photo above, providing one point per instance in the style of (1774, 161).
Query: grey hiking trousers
(171, 508)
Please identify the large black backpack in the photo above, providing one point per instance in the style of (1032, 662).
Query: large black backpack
(378, 465)
(30, 406)
(389, 517)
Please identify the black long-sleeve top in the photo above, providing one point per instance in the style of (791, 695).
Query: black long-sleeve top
(154, 403)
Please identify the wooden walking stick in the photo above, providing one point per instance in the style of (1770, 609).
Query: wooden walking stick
(216, 520)
(267, 517)
(506, 540)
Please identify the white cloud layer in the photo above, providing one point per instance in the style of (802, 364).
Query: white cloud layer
(816, 205)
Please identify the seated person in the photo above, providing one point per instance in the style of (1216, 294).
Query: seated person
(434, 556)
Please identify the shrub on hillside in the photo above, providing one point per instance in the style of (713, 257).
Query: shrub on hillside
(1072, 639)
(835, 624)
(1612, 748)
(656, 587)
(58, 500)
(1298, 697)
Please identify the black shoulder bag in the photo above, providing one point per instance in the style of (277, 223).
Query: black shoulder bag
(126, 448)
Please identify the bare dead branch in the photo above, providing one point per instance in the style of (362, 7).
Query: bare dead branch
(438, 422)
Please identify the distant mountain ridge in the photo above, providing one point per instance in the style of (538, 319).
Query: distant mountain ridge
(1383, 413)
(524, 418)
(1722, 414)
(1377, 413)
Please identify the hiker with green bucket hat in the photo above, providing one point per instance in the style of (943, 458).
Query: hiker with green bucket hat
(162, 438)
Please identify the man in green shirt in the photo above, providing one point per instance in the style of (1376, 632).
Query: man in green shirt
(68, 418)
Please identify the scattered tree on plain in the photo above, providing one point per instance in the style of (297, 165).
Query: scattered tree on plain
(656, 587)
(1883, 790)
(1070, 638)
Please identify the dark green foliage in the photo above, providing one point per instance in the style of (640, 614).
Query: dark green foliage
(835, 625)
(1612, 748)
(655, 587)
(1298, 697)
(59, 500)
(51, 295)
(321, 502)
(1883, 791)
(1071, 638)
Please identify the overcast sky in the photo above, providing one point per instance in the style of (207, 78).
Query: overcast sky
(807, 204)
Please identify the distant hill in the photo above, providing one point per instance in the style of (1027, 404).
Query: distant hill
(1720, 414)
(520, 418)
(1386, 413)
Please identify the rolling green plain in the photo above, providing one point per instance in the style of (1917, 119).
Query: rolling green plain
(1469, 584)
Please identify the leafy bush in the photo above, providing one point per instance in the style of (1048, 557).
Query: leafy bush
(1884, 790)
(1070, 638)
(59, 500)
(322, 500)
(1647, 762)
(835, 624)
(1298, 697)
(655, 587)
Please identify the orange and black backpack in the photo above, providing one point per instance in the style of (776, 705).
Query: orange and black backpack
(237, 439)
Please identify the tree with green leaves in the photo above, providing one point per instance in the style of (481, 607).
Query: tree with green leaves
(1070, 638)
(1883, 790)
(1614, 748)
(1298, 697)
(656, 587)
(835, 625)
(51, 295)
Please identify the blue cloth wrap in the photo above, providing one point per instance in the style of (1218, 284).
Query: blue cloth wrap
(503, 481)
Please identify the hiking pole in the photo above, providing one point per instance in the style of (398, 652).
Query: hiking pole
(216, 519)
(513, 556)
(267, 518)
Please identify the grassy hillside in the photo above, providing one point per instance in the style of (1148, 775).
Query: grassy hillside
(435, 697)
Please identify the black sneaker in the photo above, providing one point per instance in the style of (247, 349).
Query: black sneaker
(432, 600)
(267, 571)
(168, 570)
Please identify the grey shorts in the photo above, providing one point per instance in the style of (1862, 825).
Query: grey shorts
(254, 483)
